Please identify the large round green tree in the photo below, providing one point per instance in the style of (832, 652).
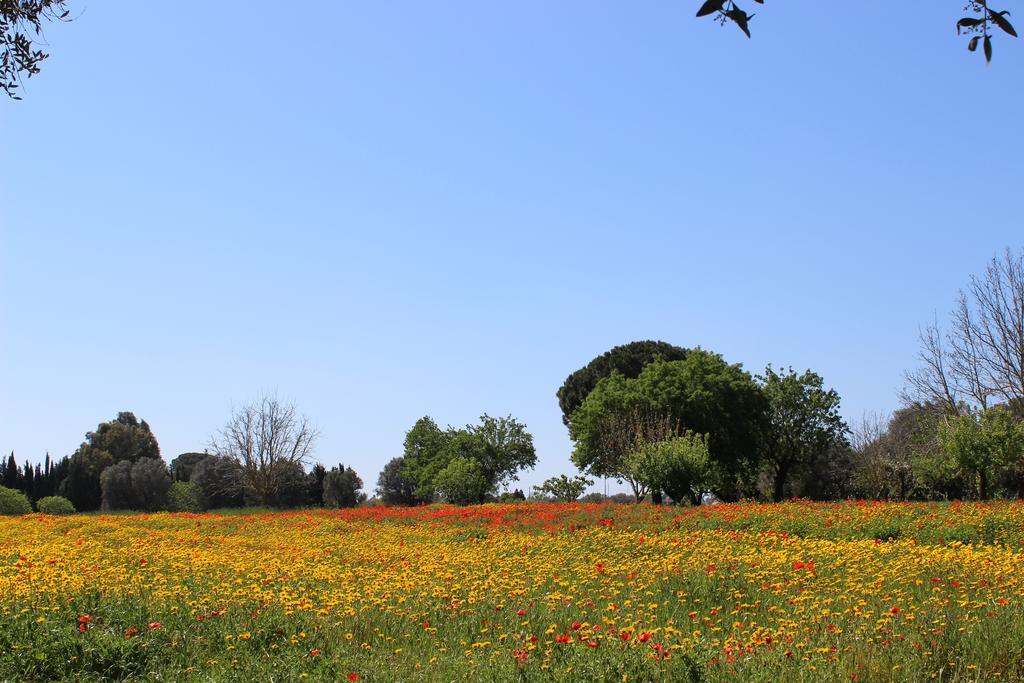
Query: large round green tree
(627, 360)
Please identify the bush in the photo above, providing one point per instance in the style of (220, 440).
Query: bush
(13, 502)
(184, 497)
(150, 483)
(55, 505)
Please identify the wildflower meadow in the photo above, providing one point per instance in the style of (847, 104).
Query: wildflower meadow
(535, 591)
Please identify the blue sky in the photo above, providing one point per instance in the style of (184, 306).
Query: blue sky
(390, 209)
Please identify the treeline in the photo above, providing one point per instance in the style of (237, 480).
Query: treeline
(119, 467)
(676, 424)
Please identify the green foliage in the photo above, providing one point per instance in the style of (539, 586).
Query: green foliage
(563, 488)
(627, 360)
(507, 448)
(701, 393)
(20, 22)
(342, 488)
(462, 482)
(220, 482)
(13, 502)
(184, 496)
(150, 482)
(424, 456)
(679, 466)
(393, 486)
(984, 443)
(116, 485)
(124, 439)
(55, 505)
(803, 426)
(181, 466)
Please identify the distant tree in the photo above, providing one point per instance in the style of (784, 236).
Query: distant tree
(342, 488)
(150, 482)
(980, 359)
(116, 487)
(424, 456)
(984, 443)
(462, 482)
(184, 496)
(220, 480)
(508, 448)
(11, 474)
(701, 393)
(123, 439)
(628, 360)
(267, 438)
(393, 486)
(13, 502)
(563, 488)
(181, 466)
(680, 466)
(315, 485)
(804, 424)
(516, 496)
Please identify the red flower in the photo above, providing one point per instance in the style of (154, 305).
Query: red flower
(560, 638)
(129, 632)
(154, 624)
(894, 609)
(84, 619)
(314, 653)
(798, 565)
(576, 626)
(83, 627)
(644, 637)
(591, 643)
(353, 677)
(624, 636)
(521, 612)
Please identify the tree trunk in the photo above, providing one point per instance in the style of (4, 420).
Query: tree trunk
(983, 484)
(780, 483)
(656, 496)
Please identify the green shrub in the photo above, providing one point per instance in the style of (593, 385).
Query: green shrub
(55, 505)
(184, 496)
(13, 502)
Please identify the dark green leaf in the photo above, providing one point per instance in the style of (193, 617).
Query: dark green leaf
(1002, 23)
(988, 49)
(973, 44)
(740, 18)
(966, 22)
(710, 7)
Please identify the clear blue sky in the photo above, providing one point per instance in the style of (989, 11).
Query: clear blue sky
(388, 209)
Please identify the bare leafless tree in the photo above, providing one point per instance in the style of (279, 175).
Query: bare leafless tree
(980, 360)
(267, 438)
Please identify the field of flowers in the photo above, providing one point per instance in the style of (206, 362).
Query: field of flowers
(786, 592)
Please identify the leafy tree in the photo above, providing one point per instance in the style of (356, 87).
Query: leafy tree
(13, 502)
(424, 456)
(184, 496)
(220, 480)
(11, 475)
(150, 482)
(116, 487)
(181, 466)
(55, 505)
(804, 424)
(393, 486)
(983, 443)
(680, 466)
(628, 360)
(979, 25)
(342, 488)
(462, 482)
(268, 439)
(508, 448)
(563, 488)
(315, 485)
(701, 393)
(21, 22)
(123, 439)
